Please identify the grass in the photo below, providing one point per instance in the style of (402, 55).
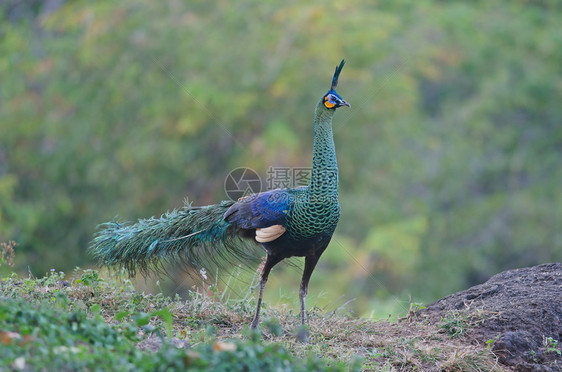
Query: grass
(458, 323)
(88, 322)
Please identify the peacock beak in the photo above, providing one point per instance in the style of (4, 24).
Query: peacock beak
(340, 102)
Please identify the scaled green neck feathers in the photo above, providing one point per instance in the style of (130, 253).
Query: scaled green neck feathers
(318, 210)
(324, 173)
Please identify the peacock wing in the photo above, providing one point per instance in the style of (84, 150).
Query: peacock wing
(264, 212)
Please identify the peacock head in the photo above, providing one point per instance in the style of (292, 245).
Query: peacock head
(332, 100)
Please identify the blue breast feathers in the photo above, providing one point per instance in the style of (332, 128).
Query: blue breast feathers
(260, 210)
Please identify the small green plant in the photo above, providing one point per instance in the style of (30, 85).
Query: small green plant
(51, 279)
(192, 322)
(143, 320)
(90, 278)
(551, 345)
(415, 307)
(490, 342)
(455, 324)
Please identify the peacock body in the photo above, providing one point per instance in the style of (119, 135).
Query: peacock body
(286, 222)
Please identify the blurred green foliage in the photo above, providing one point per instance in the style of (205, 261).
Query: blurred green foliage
(450, 159)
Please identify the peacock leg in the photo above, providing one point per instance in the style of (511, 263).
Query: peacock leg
(269, 263)
(309, 265)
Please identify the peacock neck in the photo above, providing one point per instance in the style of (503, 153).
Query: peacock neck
(324, 174)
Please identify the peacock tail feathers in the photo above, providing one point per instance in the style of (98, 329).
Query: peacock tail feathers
(197, 236)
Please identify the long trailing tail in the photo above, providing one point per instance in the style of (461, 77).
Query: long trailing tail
(196, 236)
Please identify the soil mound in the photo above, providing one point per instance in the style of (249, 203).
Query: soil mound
(518, 313)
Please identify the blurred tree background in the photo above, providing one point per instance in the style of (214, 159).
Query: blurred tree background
(450, 158)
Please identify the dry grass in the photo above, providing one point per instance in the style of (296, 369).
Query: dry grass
(7, 253)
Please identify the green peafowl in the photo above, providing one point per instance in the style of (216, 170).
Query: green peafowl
(286, 222)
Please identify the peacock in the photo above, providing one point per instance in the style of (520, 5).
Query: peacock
(286, 222)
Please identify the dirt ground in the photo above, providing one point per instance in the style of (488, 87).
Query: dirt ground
(518, 313)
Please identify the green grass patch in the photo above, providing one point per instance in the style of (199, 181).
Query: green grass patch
(93, 324)
(88, 322)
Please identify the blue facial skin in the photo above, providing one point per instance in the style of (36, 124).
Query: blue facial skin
(333, 95)
(334, 100)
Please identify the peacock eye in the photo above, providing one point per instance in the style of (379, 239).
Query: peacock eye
(328, 101)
